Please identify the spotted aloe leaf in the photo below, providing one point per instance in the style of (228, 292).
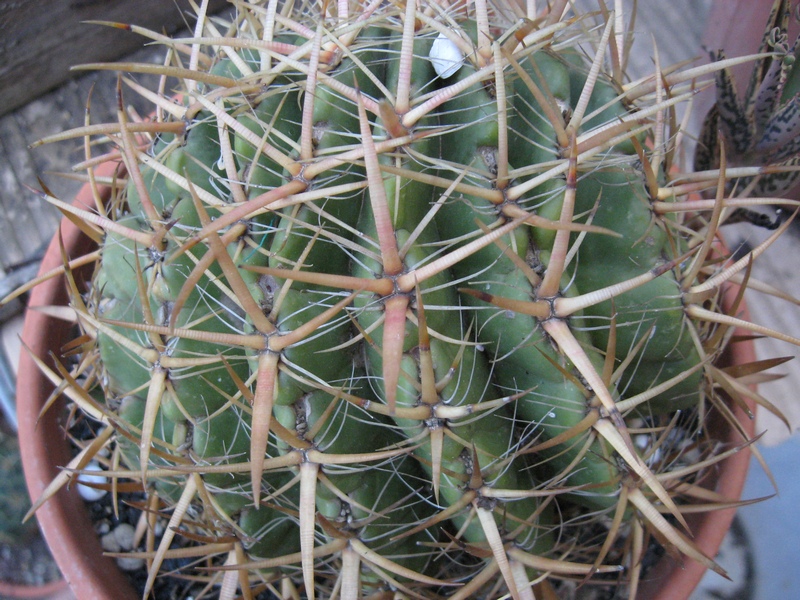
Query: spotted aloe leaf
(761, 128)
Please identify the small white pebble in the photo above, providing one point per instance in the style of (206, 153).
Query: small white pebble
(654, 458)
(445, 56)
(125, 534)
(88, 493)
(110, 543)
(130, 563)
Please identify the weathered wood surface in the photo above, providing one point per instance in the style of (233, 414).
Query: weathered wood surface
(26, 222)
(41, 39)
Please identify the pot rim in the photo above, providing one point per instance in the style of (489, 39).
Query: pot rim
(64, 520)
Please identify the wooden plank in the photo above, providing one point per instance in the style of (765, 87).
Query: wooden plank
(26, 220)
(40, 40)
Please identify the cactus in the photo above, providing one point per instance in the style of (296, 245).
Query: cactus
(405, 296)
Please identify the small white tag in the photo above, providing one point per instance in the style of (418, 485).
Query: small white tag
(91, 494)
(446, 57)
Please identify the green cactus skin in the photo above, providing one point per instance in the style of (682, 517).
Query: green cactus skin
(391, 331)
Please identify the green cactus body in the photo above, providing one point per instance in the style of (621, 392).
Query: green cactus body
(525, 353)
(654, 310)
(364, 302)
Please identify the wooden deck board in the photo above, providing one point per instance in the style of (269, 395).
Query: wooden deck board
(27, 220)
(41, 39)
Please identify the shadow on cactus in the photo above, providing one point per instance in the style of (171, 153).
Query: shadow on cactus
(408, 297)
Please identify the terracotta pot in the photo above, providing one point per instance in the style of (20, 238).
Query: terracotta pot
(66, 523)
(64, 519)
(673, 578)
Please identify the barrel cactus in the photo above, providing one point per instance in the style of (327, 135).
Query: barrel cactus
(404, 299)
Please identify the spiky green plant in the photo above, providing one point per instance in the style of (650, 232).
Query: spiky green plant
(761, 128)
(406, 298)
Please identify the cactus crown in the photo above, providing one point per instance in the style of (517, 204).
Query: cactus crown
(408, 297)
